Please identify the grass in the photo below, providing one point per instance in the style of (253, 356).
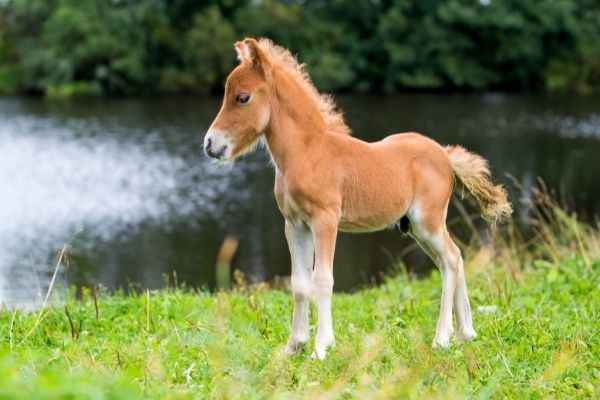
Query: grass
(536, 309)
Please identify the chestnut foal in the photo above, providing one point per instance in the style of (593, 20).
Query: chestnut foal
(326, 180)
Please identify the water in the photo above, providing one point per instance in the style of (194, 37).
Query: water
(126, 184)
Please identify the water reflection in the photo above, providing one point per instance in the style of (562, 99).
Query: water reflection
(130, 178)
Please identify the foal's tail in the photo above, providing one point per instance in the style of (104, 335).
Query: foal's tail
(474, 173)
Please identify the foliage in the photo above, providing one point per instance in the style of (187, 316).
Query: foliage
(125, 47)
(204, 52)
(535, 309)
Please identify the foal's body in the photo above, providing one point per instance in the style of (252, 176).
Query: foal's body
(370, 184)
(326, 180)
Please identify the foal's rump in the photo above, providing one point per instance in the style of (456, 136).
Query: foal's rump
(432, 169)
(425, 161)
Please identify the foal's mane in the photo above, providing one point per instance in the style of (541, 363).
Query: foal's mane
(283, 58)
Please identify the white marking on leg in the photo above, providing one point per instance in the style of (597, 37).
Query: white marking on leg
(464, 320)
(444, 329)
(449, 266)
(324, 233)
(436, 246)
(301, 246)
(323, 281)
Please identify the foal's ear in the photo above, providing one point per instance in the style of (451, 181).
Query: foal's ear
(249, 51)
(242, 51)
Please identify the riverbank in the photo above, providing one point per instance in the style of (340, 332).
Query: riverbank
(536, 311)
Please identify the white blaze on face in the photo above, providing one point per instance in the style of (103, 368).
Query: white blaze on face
(217, 144)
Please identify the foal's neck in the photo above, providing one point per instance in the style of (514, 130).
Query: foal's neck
(286, 141)
(296, 121)
(290, 135)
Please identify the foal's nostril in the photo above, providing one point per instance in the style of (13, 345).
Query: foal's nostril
(209, 150)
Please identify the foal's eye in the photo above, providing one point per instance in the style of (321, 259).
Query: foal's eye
(242, 98)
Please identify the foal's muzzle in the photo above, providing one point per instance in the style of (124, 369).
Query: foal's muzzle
(209, 150)
(215, 146)
(214, 153)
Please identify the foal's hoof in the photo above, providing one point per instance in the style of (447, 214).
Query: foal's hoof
(441, 343)
(466, 334)
(319, 354)
(320, 350)
(293, 347)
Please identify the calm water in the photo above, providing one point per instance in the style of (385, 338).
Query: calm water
(126, 183)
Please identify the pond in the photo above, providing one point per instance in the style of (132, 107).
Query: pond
(126, 183)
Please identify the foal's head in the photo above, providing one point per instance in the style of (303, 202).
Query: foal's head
(246, 109)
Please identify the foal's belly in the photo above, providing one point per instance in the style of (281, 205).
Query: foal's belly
(368, 225)
(372, 217)
(353, 227)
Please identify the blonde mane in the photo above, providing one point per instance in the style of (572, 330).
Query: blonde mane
(282, 57)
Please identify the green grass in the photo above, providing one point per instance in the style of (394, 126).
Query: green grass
(538, 338)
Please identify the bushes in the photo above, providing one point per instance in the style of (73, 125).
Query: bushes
(159, 46)
(208, 51)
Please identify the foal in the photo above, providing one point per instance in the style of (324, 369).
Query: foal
(326, 180)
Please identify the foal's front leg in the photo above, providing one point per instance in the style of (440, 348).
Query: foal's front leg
(302, 252)
(324, 231)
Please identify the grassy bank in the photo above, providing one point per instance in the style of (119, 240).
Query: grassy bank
(536, 309)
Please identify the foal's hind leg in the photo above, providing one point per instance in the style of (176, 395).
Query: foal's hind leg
(462, 308)
(429, 230)
(302, 252)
